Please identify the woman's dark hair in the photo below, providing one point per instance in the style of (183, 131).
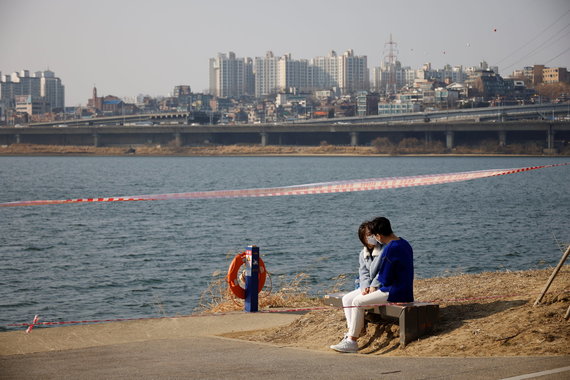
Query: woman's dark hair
(381, 226)
(363, 231)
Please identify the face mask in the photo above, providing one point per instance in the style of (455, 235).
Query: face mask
(371, 240)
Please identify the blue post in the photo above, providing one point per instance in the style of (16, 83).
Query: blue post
(251, 277)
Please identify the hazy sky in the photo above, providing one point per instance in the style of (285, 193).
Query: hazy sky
(130, 47)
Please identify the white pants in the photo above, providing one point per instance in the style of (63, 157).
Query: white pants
(353, 303)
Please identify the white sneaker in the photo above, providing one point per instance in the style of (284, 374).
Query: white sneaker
(346, 345)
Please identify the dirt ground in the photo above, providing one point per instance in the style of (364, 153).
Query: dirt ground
(257, 150)
(171, 150)
(488, 314)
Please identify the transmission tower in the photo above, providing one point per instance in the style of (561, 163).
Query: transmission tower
(390, 58)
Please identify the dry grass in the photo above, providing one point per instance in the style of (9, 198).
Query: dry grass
(486, 314)
(380, 146)
(172, 149)
(383, 145)
(291, 293)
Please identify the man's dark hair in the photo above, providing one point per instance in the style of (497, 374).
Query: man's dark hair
(381, 226)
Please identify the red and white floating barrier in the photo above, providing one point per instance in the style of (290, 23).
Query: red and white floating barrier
(315, 188)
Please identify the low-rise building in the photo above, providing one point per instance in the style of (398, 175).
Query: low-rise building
(367, 103)
(288, 99)
(31, 105)
(398, 108)
(555, 75)
(446, 97)
(488, 84)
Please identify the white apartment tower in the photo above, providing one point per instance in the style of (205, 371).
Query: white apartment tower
(325, 72)
(347, 72)
(353, 73)
(280, 74)
(266, 70)
(293, 74)
(230, 76)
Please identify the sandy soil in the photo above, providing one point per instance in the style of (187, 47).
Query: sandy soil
(243, 150)
(488, 314)
(168, 150)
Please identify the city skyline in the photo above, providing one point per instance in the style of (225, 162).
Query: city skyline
(128, 48)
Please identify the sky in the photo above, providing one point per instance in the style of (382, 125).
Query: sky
(132, 47)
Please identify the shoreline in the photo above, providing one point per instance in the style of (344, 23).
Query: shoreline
(486, 321)
(235, 151)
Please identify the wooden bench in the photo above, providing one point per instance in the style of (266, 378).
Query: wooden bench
(415, 318)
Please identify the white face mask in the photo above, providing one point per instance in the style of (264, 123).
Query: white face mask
(371, 240)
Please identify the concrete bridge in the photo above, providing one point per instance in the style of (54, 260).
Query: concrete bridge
(548, 111)
(551, 132)
(188, 118)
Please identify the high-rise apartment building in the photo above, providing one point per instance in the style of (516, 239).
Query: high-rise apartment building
(353, 73)
(325, 72)
(347, 73)
(266, 71)
(21, 83)
(293, 74)
(51, 89)
(230, 76)
(42, 86)
(280, 74)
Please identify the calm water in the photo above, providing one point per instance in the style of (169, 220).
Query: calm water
(147, 259)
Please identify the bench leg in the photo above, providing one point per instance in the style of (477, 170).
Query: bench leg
(416, 321)
(408, 325)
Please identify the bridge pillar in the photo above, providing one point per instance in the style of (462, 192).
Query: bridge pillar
(449, 139)
(353, 138)
(263, 138)
(18, 138)
(502, 138)
(177, 139)
(428, 138)
(550, 141)
(550, 137)
(96, 141)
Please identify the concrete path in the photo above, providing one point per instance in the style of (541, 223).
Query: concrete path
(189, 348)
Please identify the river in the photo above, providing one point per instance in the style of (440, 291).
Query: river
(147, 259)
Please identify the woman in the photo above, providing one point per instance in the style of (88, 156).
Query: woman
(369, 260)
(394, 275)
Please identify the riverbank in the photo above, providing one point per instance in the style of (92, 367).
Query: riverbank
(481, 315)
(486, 314)
(258, 150)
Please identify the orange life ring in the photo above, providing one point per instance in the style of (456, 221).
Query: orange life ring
(233, 270)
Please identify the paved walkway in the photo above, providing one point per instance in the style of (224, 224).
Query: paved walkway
(189, 348)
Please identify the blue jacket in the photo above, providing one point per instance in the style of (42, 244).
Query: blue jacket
(396, 274)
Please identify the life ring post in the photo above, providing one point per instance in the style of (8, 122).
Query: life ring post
(253, 265)
(251, 278)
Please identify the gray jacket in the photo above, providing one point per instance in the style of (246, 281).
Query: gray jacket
(369, 265)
